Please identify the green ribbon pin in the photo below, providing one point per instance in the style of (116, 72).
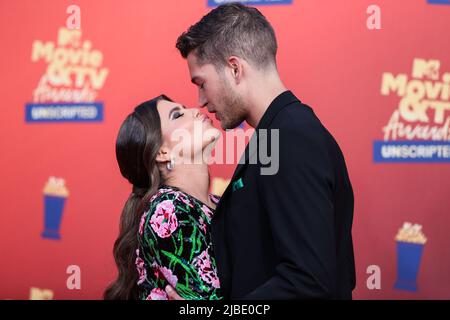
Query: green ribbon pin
(238, 184)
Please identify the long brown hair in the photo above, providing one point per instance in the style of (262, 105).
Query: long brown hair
(137, 146)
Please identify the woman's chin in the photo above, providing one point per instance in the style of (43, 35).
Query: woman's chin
(215, 138)
(209, 144)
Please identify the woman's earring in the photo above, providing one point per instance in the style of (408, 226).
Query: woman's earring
(170, 165)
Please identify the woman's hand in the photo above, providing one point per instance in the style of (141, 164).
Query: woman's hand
(173, 295)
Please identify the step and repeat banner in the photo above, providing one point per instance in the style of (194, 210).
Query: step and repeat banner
(377, 73)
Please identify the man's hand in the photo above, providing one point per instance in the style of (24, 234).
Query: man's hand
(173, 295)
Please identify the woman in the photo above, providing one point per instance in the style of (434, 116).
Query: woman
(164, 233)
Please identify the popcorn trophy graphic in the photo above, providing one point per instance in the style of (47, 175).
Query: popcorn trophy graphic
(55, 194)
(410, 243)
(41, 294)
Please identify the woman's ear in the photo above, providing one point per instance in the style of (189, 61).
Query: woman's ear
(163, 155)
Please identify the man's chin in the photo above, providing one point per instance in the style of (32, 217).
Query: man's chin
(228, 125)
(224, 125)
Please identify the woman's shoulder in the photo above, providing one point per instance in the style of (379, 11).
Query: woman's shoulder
(172, 199)
(167, 206)
(175, 194)
(170, 196)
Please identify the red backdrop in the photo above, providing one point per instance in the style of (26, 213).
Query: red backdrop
(327, 56)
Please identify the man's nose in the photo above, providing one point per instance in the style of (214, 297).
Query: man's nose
(201, 100)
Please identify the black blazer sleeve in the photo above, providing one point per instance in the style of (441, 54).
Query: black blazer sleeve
(300, 209)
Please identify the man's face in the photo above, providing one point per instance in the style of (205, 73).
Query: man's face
(217, 93)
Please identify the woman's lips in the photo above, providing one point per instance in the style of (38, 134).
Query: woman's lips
(206, 118)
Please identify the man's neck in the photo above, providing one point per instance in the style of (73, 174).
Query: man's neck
(261, 96)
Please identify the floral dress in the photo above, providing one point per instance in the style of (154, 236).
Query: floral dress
(175, 248)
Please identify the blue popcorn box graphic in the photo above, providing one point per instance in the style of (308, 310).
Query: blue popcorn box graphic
(55, 195)
(53, 211)
(409, 256)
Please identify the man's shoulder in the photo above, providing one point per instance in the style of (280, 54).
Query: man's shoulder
(299, 124)
(296, 116)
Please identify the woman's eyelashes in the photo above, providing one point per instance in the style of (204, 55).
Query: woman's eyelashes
(177, 115)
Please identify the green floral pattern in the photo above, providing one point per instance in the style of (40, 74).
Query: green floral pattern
(175, 248)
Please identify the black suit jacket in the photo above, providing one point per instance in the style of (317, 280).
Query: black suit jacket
(287, 235)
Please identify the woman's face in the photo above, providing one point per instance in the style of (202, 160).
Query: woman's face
(186, 133)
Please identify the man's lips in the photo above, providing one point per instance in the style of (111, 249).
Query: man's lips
(215, 114)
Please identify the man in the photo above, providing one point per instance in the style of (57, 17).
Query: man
(282, 235)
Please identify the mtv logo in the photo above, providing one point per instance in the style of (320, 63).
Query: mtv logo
(426, 68)
(40, 294)
(66, 36)
(219, 185)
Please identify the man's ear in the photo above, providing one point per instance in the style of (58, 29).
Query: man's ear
(235, 66)
(163, 155)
